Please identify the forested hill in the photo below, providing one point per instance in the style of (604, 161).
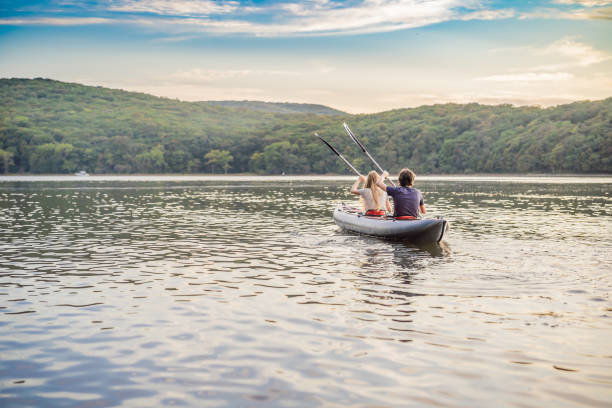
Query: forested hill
(280, 107)
(49, 126)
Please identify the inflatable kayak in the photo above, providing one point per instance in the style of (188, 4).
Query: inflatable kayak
(423, 231)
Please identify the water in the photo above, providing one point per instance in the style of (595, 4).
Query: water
(241, 292)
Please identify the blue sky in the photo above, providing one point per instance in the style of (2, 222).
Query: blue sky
(359, 56)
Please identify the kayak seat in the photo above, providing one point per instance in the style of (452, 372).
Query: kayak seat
(375, 213)
(405, 217)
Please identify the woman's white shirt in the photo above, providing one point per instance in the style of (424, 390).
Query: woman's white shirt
(370, 204)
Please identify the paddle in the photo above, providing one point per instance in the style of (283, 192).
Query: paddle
(362, 147)
(338, 153)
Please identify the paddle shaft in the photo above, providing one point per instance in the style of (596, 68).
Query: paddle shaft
(339, 155)
(362, 147)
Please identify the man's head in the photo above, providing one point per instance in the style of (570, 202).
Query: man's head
(406, 178)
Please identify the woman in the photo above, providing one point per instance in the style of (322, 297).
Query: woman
(374, 199)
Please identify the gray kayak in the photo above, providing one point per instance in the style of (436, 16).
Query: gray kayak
(422, 231)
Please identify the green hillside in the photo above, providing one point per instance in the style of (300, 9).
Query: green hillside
(49, 126)
(279, 107)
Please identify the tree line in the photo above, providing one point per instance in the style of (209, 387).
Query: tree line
(49, 126)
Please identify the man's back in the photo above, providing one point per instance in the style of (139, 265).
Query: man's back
(406, 201)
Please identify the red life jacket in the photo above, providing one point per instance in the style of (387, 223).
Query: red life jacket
(405, 217)
(378, 213)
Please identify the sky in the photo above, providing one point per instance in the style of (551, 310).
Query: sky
(359, 56)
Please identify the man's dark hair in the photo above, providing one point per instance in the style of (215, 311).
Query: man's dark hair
(406, 178)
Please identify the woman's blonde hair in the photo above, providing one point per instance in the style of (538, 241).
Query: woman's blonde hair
(371, 184)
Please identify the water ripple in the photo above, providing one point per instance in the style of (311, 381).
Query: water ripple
(244, 292)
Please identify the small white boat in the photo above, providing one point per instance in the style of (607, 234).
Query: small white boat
(81, 173)
(421, 231)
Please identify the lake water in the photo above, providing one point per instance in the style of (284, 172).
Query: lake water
(242, 292)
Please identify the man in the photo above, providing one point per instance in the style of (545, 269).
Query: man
(407, 201)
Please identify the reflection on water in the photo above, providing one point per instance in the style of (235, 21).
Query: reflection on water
(243, 292)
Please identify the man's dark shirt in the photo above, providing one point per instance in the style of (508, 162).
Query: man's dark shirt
(406, 200)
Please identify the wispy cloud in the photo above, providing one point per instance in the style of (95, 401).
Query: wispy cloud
(203, 76)
(567, 53)
(572, 53)
(602, 14)
(298, 18)
(576, 14)
(55, 21)
(189, 92)
(579, 53)
(308, 7)
(489, 15)
(174, 7)
(326, 18)
(528, 77)
(294, 18)
(586, 3)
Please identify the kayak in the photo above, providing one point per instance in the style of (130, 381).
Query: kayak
(422, 231)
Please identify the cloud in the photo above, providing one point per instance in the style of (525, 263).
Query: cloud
(174, 7)
(325, 18)
(489, 15)
(55, 21)
(586, 3)
(528, 77)
(572, 10)
(568, 54)
(205, 75)
(370, 16)
(308, 8)
(602, 14)
(188, 92)
(298, 18)
(210, 76)
(578, 54)
(376, 16)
